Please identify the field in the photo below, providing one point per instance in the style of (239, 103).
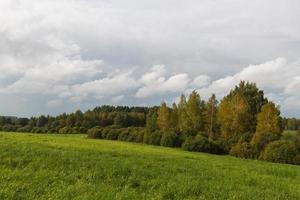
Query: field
(64, 167)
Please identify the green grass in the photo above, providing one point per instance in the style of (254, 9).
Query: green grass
(289, 133)
(73, 167)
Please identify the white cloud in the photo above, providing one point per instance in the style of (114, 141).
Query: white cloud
(156, 72)
(108, 86)
(201, 81)
(279, 78)
(155, 83)
(82, 51)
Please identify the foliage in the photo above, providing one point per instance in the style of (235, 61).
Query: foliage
(152, 137)
(151, 122)
(261, 140)
(269, 120)
(234, 116)
(243, 124)
(242, 150)
(253, 96)
(291, 124)
(171, 138)
(95, 132)
(195, 111)
(199, 143)
(211, 124)
(164, 117)
(281, 151)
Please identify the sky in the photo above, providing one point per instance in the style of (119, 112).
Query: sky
(62, 55)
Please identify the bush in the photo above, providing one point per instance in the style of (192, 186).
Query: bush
(39, 130)
(242, 150)
(104, 132)
(95, 133)
(135, 135)
(152, 137)
(25, 129)
(246, 137)
(198, 143)
(297, 159)
(67, 130)
(124, 134)
(112, 134)
(171, 139)
(282, 151)
(260, 141)
(222, 146)
(9, 128)
(82, 130)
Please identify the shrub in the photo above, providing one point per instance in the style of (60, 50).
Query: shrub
(168, 139)
(112, 134)
(38, 130)
(104, 132)
(222, 146)
(124, 134)
(138, 136)
(95, 133)
(282, 151)
(297, 159)
(82, 129)
(198, 143)
(25, 129)
(67, 130)
(246, 137)
(131, 134)
(9, 128)
(135, 135)
(152, 137)
(242, 150)
(260, 141)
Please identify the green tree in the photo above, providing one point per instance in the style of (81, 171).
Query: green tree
(151, 121)
(174, 117)
(254, 98)
(211, 125)
(164, 117)
(183, 119)
(195, 111)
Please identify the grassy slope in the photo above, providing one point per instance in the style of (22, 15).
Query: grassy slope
(73, 167)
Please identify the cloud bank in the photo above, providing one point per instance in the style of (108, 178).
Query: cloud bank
(61, 55)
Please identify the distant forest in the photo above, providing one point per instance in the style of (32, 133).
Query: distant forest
(243, 124)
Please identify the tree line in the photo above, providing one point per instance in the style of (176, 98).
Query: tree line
(291, 124)
(243, 124)
(78, 122)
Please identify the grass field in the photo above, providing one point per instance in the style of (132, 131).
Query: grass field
(73, 167)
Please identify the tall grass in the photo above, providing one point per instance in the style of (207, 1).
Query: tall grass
(74, 167)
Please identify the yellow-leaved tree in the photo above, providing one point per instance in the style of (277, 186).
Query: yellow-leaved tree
(233, 116)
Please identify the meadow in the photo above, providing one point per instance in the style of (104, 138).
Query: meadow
(44, 166)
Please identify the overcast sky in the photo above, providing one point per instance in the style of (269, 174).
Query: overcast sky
(61, 55)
